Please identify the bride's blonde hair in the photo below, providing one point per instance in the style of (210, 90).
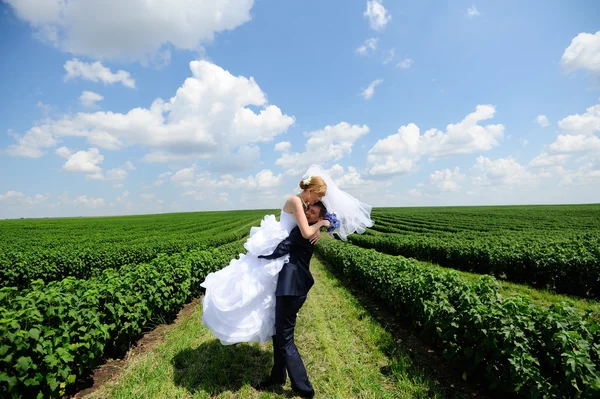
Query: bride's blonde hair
(316, 184)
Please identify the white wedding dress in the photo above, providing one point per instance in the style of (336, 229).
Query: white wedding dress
(239, 303)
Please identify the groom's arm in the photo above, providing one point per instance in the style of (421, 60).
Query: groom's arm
(285, 246)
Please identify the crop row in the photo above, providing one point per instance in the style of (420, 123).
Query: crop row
(55, 333)
(508, 342)
(568, 264)
(19, 267)
(494, 218)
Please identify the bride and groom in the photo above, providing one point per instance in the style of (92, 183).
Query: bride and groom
(256, 298)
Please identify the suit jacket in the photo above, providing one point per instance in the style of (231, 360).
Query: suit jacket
(294, 278)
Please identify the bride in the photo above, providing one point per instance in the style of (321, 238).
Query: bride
(239, 303)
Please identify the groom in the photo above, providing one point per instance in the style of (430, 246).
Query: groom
(293, 284)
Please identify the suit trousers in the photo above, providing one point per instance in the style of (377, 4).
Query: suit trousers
(285, 353)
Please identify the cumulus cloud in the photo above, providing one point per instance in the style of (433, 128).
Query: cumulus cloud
(545, 160)
(578, 133)
(116, 174)
(283, 146)
(399, 153)
(12, 198)
(96, 72)
(472, 12)
(208, 117)
(586, 124)
(81, 161)
(377, 15)
(162, 178)
(389, 56)
(575, 143)
(446, 179)
(502, 171)
(130, 29)
(542, 120)
(30, 144)
(81, 200)
(405, 63)
(202, 181)
(89, 98)
(328, 145)
(369, 46)
(243, 159)
(583, 53)
(369, 91)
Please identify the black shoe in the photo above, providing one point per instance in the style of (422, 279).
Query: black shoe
(303, 394)
(266, 384)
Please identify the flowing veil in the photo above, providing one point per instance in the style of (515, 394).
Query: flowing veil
(354, 216)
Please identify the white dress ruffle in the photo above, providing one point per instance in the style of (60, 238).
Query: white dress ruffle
(239, 303)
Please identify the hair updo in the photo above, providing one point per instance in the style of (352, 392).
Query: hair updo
(317, 185)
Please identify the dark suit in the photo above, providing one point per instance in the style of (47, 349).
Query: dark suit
(293, 283)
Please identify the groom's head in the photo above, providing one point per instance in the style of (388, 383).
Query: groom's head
(315, 212)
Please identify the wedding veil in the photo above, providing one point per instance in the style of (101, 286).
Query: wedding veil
(354, 216)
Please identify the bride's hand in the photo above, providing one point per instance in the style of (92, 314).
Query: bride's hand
(315, 238)
(326, 223)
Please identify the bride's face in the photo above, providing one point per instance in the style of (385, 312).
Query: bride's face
(313, 197)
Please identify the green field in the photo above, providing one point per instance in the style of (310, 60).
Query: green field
(484, 285)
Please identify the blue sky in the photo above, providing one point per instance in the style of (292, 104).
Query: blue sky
(193, 105)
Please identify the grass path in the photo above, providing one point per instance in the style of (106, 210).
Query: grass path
(347, 353)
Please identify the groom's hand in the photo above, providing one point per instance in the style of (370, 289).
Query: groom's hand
(315, 238)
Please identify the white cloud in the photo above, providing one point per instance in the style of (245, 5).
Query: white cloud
(89, 201)
(184, 175)
(82, 161)
(369, 91)
(30, 144)
(223, 197)
(15, 198)
(546, 160)
(116, 174)
(415, 193)
(405, 63)
(89, 98)
(586, 124)
(447, 180)
(207, 118)
(502, 171)
(578, 133)
(330, 144)
(263, 179)
(399, 153)
(587, 175)
(377, 14)
(96, 72)
(472, 12)
(203, 182)
(390, 55)
(244, 158)
(575, 143)
(81, 200)
(542, 120)
(283, 146)
(63, 152)
(369, 46)
(162, 178)
(582, 53)
(123, 197)
(129, 166)
(350, 179)
(131, 29)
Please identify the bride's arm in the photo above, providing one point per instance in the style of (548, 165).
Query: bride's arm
(298, 210)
